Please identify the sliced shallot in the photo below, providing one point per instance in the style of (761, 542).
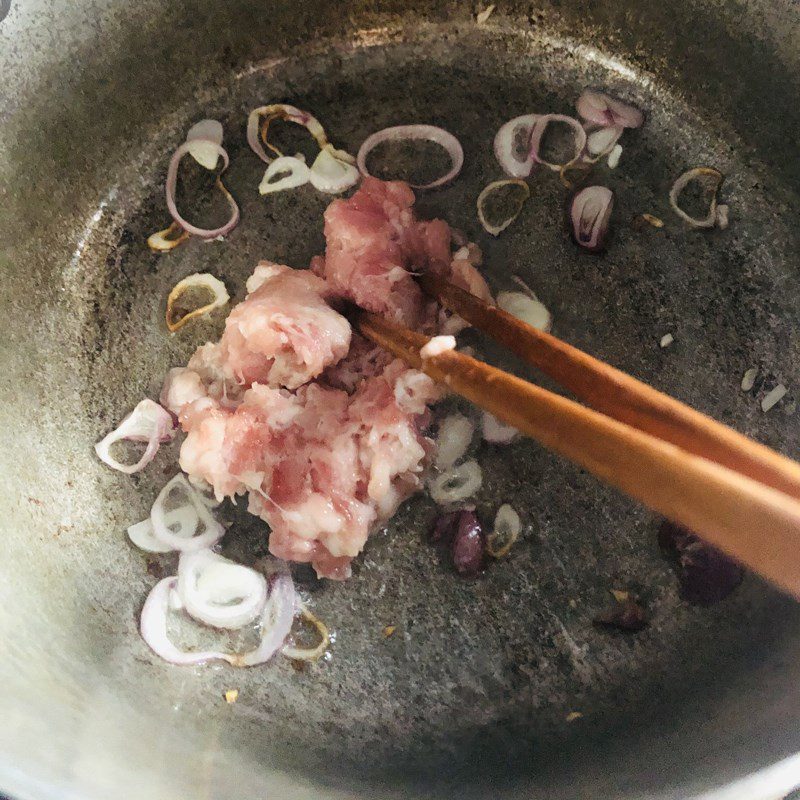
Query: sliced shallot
(712, 179)
(172, 182)
(309, 653)
(148, 422)
(468, 545)
(178, 315)
(212, 531)
(184, 518)
(153, 627)
(429, 133)
(526, 307)
(453, 440)
(276, 622)
(202, 138)
(602, 109)
(331, 173)
(512, 146)
(492, 215)
(456, 484)
(220, 592)
(539, 129)
(590, 212)
(169, 238)
(285, 172)
(495, 431)
(507, 527)
(602, 141)
(257, 130)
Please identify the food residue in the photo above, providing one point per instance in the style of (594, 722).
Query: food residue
(231, 696)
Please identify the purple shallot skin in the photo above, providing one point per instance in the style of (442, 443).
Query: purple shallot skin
(468, 547)
(462, 534)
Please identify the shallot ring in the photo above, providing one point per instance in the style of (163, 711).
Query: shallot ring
(429, 133)
(257, 129)
(541, 126)
(162, 241)
(496, 230)
(172, 182)
(206, 281)
(309, 653)
(683, 181)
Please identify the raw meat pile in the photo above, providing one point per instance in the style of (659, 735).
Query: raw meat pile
(322, 430)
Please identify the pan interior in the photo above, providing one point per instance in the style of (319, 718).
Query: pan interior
(480, 679)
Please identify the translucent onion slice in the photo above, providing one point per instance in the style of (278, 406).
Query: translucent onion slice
(332, 174)
(213, 530)
(153, 628)
(172, 182)
(220, 592)
(512, 146)
(292, 171)
(309, 653)
(148, 422)
(141, 534)
(453, 440)
(526, 307)
(169, 238)
(414, 133)
(602, 141)
(538, 132)
(602, 109)
(514, 188)
(495, 431)
(258, 130)
(177, 317)
(590, 212)
(202, 138)
(276, 622)
(456, 484)
(614, 156)
(712, 179)
(506, 530)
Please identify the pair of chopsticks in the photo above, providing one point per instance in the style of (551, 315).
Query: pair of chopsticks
(737, 494)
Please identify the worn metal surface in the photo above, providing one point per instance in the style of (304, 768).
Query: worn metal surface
(475, 686)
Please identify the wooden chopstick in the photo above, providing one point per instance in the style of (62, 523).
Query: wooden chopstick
(621, 396)
(753, 522)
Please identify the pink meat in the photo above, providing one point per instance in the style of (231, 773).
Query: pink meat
(374, 241)
(365, 360)
(323, 431)
(283, 334)
(322, 467)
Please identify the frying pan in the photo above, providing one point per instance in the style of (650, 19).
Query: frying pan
(471, 694)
